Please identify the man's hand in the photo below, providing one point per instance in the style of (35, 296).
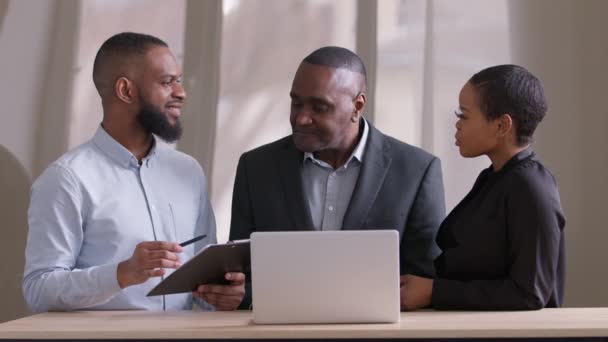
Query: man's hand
(149, 259)
(416, 292)
(224, 297)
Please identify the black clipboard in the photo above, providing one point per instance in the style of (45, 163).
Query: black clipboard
(209, 266)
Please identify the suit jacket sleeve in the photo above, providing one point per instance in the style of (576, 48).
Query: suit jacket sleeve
(418, 247)
(534, 222)
(241, 222)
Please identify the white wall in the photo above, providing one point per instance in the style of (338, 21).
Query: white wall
(564, 43)
(23, 37)
(24, 32)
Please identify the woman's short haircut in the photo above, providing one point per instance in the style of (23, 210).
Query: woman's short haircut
(511, 89)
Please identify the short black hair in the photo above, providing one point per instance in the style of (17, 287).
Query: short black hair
(338, 58)
(121, 46)
(511, 89)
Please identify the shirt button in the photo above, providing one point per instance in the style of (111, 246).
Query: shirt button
(331, 208)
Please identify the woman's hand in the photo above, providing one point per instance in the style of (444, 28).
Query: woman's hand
(416, 292)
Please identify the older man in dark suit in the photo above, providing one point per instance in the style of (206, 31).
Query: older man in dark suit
(336, 171)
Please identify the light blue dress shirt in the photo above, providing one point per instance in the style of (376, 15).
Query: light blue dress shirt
(328, 191)
(90, 209)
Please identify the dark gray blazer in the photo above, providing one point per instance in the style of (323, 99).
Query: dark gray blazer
(399, 187)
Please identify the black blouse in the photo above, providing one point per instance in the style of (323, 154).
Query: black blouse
(503, 245)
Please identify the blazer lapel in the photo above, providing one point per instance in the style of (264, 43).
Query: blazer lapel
(291, 179)
(376, 162)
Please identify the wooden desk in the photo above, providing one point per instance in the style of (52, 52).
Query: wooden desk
(548, 323)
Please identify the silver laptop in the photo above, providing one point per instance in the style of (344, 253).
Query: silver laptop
(325, 277)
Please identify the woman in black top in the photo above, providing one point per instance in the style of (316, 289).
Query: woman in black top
(503, 245)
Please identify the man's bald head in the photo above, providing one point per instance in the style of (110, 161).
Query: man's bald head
(116, 58)
(339, 58)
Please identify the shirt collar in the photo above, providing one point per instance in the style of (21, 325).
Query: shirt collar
(357, 154)
(519, 157)
(117, 152)
(514, 161)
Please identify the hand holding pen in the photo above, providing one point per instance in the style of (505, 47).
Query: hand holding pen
(149, 259)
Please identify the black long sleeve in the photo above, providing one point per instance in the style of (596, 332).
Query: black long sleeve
(504, 246)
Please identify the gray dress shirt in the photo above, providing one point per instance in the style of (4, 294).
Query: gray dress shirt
(90, 209)
(328, 190)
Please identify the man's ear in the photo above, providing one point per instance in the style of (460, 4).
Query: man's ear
(505, 125)
(125, 90)
(359, 107)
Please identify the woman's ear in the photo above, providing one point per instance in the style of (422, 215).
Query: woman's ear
(505, 125)
(124, 89)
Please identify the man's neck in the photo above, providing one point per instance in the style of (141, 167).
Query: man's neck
(337, 157)
(132, 137)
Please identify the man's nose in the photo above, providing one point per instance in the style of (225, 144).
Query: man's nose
(302, 117)
(179, 91)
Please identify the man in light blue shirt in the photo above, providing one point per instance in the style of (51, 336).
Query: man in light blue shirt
(106, 219)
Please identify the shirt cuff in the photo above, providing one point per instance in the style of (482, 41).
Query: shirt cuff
(108, 278)
(441, 293)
